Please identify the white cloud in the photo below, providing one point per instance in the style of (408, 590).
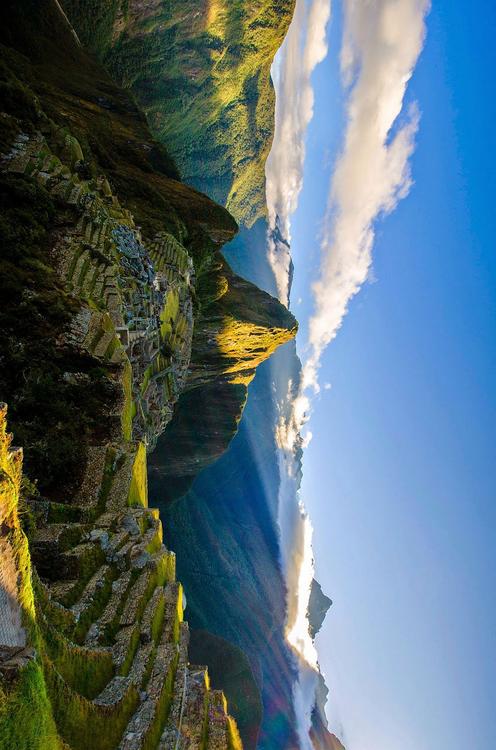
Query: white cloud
(298, 565)
(381, 43)
(304, 47)
(382, 40)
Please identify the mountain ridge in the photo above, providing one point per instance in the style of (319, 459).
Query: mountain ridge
(202, 76)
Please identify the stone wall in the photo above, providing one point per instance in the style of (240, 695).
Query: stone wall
(132, 311)
(107, 619)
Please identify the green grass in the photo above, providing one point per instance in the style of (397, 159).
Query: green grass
(158, 621)
(155, 730)
(159, 578)
(169, 314)
(88, 563)
(129, 410)
(146, 379)
(63, 513)
(131, 653)
(233, 738)
(26, 720)
(85, 671)
(138, 490)
(100, 599)
(80, 722)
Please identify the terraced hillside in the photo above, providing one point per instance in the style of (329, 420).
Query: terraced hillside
(97, 652)
(134, 317)
(119, 243)
(201, 73)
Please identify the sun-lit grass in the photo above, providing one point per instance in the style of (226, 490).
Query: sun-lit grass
(83, 724)
(129, 410)
(26, 720)
(169, 313)
(138, 489)
(246, 345)
(215, 17)
(234, 739)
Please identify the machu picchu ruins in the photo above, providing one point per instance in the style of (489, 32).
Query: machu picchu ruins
(117, 308)
(106, 620)
(134, 316)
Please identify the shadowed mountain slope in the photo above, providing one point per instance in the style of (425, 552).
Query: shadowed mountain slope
(236, 330)
(224, 533)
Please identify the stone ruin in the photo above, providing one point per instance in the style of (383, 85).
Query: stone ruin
(133, 309)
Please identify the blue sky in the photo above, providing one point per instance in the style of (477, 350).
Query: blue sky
(400, 477)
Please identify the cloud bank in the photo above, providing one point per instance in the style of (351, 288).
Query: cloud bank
(382, 40)
(297, 560)
(304, 47)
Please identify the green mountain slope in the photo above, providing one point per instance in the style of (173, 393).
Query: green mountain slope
(201, 73)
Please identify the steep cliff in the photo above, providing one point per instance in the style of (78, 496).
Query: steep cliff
(107, 262)
(246, 325)
(201, 73)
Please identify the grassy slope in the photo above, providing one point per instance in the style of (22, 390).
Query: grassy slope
(201, 73)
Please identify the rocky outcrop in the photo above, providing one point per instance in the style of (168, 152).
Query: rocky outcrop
(318, 606)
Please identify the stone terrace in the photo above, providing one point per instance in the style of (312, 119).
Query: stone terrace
(135, 313)
(110, 613)
(108, 608)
